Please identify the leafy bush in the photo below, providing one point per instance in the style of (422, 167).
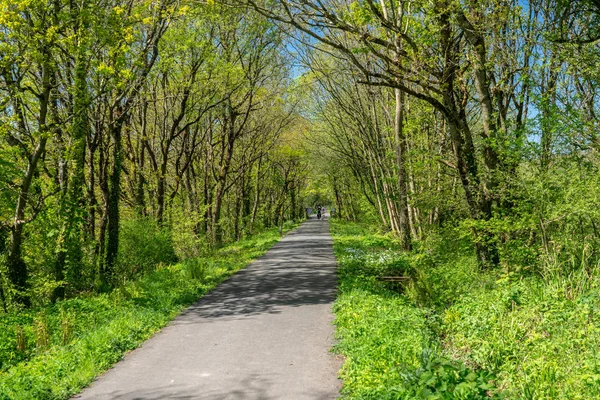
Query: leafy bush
(445, 269)
(186, 242)
(143, 245)
(540, 339)
(196, 268)
(439, 378)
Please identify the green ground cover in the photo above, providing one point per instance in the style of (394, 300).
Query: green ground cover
(52, 352)
(390, 343)
(455, 332)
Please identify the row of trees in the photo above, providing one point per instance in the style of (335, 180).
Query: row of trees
(426, 113)
(161, 111)
(479, 113)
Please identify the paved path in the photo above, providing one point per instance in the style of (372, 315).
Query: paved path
(263, 334)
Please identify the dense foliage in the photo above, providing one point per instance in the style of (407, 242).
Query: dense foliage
(133, 133)
(390, 342)
(455, 332)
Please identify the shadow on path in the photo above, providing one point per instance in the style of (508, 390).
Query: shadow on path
(252, 388)
(297, 271)
(263, 334)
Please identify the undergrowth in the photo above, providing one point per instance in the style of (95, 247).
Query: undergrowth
(454, 332)
(389, 342)
(52, 352)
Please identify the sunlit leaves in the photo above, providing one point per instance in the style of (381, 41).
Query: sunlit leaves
(359, 13)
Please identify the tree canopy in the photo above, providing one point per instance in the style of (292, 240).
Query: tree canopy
(209, 121)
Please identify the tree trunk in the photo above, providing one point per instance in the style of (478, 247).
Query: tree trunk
(92, 202)
(246, 201)
(219, 192)
(3, 298)
(17, 269)
(293, 205)
(377, 195)
(161, 188)
(140, 202)
(401, 163)
(113, 212)
(237, 214)
(256, 195)
(63, 212)
(103, 184)
(338, 200)
(478, 198)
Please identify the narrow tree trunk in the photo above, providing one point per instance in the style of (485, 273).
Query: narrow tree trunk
(219, 192)
(293, 205)
(3, 298)
(246, 200)
(413, 212)
(92, 202)
(389, 205)
(206, 192)
(237, 211)
(377, 195)
(63, 212)
(256, 195)
(161, 189)
(17, 269)
(113, 212)
(140, 202)
(401, 164)
(192, 195)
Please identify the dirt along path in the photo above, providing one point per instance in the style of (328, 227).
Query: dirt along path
(263, 334)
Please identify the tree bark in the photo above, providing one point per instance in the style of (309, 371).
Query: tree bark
(219, 191)
(401, 152)
(114, 195)
(256, 195)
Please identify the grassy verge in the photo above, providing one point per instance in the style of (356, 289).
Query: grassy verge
(390, 343)
(540, 336)
(455, 332)
(53, 352)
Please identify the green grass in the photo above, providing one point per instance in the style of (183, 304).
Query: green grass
(531, 336)
(541, 337)
(66, 345)
(389, 342)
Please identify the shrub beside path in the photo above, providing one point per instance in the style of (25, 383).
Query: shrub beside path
(263, 334)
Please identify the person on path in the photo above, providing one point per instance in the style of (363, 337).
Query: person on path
(318, 212)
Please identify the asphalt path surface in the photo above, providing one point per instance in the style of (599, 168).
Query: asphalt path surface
(265, 334)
